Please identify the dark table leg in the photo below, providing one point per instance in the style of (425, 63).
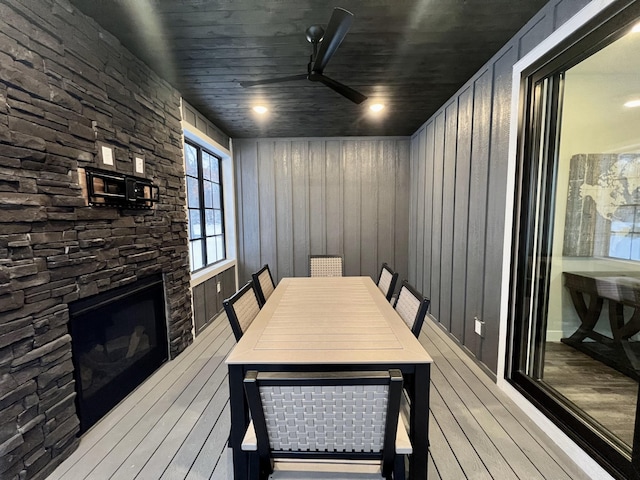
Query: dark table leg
(622, 330)
(239, 422)
(420, 423)
(588, 315)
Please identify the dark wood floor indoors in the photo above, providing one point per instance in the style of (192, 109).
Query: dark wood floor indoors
(606, 395)
(175, 425)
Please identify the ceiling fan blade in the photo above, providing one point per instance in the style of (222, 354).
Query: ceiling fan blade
(342, 89)
(302, 76)
(337, 29)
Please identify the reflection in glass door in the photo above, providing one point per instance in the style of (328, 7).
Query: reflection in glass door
(577, 313)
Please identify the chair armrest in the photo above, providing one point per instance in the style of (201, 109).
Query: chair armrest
(403, 443)
(250, 442)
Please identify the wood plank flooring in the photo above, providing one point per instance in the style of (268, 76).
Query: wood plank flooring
(175, 425)
(606, 395)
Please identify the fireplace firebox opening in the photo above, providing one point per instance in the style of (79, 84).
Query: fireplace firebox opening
(119, 338)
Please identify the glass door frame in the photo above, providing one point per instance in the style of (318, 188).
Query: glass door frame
(538, 134)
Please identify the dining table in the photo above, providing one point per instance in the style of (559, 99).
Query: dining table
(330, 324)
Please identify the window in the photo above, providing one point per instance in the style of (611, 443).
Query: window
(576, 338)
(204, 202)
(624, 240)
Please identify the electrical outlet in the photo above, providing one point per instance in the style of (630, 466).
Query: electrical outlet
(479, 326)
(219, 287)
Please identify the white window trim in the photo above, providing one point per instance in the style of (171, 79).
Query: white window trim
(228, 197)
(588, 464)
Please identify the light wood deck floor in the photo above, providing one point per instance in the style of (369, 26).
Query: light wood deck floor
(175, 425)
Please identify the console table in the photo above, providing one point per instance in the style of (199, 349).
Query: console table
(618, 289)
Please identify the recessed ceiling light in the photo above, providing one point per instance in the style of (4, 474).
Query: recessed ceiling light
(261, 109)
(632, 103)
(636, 28)
(376, 107)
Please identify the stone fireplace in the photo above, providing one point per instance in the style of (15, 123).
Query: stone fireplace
(67, 88)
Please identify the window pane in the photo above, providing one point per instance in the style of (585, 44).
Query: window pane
(208, 194)
(215, 173)
(216, 195)
(197, 260)
(635, 248)
(193, 193)
(191, 159)
(195, 228)
(212, 254)
(220, 242)
(210, 225)
(623, 218)
(206, 165)
(619, 245)
(217, 220)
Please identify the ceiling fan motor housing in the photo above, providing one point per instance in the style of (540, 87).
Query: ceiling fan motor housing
(315, 33)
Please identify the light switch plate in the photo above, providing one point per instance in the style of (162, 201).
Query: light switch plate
(106, 155)
(138, 163)
(479, 326)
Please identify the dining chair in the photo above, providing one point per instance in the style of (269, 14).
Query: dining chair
(326, 266)
(241, 308)
(327, 419)
(263, 283)
(387, 281)
(412, 307)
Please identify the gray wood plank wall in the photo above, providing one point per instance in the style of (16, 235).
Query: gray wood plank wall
(297, 197)
(458, 191)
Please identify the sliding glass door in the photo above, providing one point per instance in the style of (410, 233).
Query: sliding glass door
(576, 311)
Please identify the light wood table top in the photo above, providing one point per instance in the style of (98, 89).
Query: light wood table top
(325, 320)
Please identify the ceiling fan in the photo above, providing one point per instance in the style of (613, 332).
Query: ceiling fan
(329, 41)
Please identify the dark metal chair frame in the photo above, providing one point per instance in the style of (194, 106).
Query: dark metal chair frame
(261, 463)
(228, 305)
(422, 310)
(258, 286)
(418, 321)
(328, 256)
(392, 284)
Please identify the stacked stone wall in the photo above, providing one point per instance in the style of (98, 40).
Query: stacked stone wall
(66, 87)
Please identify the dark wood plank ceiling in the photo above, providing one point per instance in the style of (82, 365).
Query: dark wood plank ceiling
(412, 55)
